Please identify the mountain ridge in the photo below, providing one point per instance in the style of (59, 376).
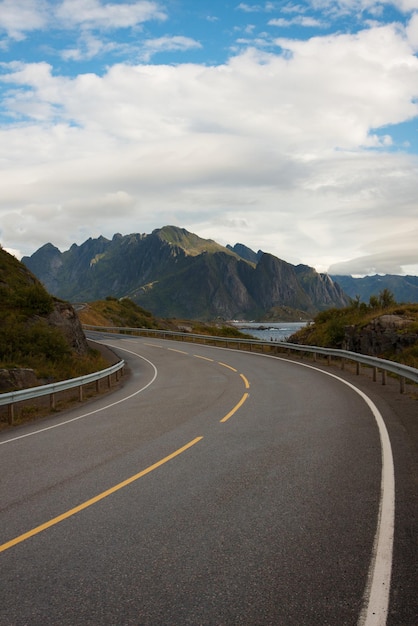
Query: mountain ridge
(175, 273)
(403, 288)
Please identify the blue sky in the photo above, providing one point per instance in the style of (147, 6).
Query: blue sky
(289, 126)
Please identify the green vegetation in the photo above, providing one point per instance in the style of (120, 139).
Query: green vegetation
(192, 244)
(125, 313)
(27, 338)
(329, 327)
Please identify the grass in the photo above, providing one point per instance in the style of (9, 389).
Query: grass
(329, 327)
(125, 313)
(27, 338)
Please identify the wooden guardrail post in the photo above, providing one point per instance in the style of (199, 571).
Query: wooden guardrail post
(11, 413)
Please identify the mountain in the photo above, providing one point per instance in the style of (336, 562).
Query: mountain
(245, 253)
(403, 288)
(175, 273)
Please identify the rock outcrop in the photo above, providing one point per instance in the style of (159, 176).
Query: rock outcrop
(387, 333)
(65, 319)
(17, 378)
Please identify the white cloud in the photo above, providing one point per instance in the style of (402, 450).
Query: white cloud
(300, 20)
(249, 8)
(394, 254)
(166, 43)
(358, 6)
(17, 17)
(90, 46)
(404, 5)
(98, 15)
(270, 150)
(412, 32)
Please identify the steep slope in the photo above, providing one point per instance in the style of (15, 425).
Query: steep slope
(36, 330)
(172, 272)
(245, 253)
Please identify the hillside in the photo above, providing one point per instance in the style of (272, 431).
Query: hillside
(381, 328)
(174, 273)
(126, 314)
(37, 332)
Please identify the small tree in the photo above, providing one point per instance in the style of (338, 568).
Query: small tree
(386, 299)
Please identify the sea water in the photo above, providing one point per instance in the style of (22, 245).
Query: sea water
(270, 331)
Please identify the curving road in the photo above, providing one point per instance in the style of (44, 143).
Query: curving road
(213, 488)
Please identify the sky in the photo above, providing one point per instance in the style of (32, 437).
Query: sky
(289, 126)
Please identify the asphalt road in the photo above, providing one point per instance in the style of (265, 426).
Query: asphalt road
(214, 487)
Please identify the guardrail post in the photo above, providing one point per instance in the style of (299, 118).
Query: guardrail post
(402, 384)
(109, 381)
(329, 359)
(11, 414)
(80, 393)
(383, 377)
(342, 364)
(52, 404)
(98, 385)
(357, 368)
(374, 374)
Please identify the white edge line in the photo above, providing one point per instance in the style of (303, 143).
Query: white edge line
(377, 590)
(376, 594)
(75, 419)
(375, 604)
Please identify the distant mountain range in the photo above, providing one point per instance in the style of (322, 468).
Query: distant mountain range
(175, 273)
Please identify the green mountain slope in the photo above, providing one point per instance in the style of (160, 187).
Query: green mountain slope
(36, 330)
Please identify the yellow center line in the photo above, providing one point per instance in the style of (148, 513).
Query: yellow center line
(100, 496)
(228, 366)
(205, 358)
(236, 407)
(246, 383)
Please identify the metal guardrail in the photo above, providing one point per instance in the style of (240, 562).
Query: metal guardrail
(384, 365)
(64, 385)
(405, 372)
